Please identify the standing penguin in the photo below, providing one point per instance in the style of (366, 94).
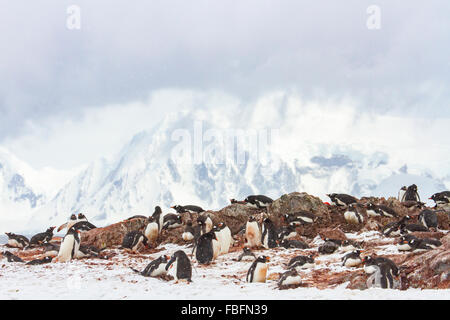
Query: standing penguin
(226, 238)
(133, 240)
(204, 252)
(401, 193)
(258, 270)
(182, 266)
(157, 214)
(352, 259)
(411, 194)
(152, 229)
(155, 268)
(42, 237)
(428, 218)
(269, 234)
(69, 246)
(370, 261)
(205, 222)
(353, 215)
(381, 277)
(17, 241)
(252, 233)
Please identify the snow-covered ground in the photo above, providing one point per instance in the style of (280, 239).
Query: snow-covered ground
(223, 279)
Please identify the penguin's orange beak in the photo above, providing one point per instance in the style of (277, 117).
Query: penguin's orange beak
(267, 259)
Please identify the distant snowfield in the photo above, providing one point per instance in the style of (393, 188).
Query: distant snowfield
(224, 279)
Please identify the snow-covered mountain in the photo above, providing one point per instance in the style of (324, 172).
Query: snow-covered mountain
(148, 172)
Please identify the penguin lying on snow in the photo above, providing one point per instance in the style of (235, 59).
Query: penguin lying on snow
(349, 245)
(69, 246)
(252, 233)
(416, 244)
(17, 241)
(258, 270)
(328, 247)
(133, 240)
(155, 268)
(42, 237)
(11, 257)
(44, 260)
(269, 234)
(286, 233)
(403, 244)
(287, 244)
(51, 249)
(183, 268)
(290, 277)
(428, 218)
(370, 262)
(246, 255)
(341, 199)
(352, 259)
(301, 262)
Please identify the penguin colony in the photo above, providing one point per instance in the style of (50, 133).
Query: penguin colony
(209, 241)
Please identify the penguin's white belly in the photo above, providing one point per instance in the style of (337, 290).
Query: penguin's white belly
(404, 247)
(216, 248)
(387, 214)
(260, 273)
(152, 231)
(136, 246)
(351, 217)
(262, 204)
(348, 248)
(253, 235)
(306, 219)
(174, 267)
(372, 213)
(187, 236)
(208, 225)
(14, 243)
(339, 202)
(226, 237)
(291, 280)
(370, 269)
(159, 271)
(291, 235)
(305, 266)
(352, 262)
(251, 205)
(65, 251)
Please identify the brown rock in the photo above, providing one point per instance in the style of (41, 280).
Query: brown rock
(332, 234)
(357, 282)
(422, 235)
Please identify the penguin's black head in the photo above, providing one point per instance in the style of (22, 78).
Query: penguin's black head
(73, 217)
(50, 230)
(81, 216)
(367, 259)
(267, 221)
(413, 187)
(263, 259)
(332, 196)
(404, 188)
(151, 219)
(233, 201)
(221, 225)
(247, 250)
(48, 259)
(251, 219)
(370, 206)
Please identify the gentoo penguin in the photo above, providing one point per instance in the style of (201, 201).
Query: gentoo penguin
(353, 215)
(204, 252)
(87, 252)
(152, 229)
(258, 201)
(401, 193)
(172, 221)
(403, 243)
(299, 218)
(225, 238)
(287, 244)
(290, 277)
(352, 259)
(380, 210)
(301, 262)
(258, 270)
(421, 244)
(341, 199)
(370, 261)
(11, 257)
(269, 234)
(393, 228)
(349, 245)
(286, 233)
(157, 214)
(42, 237)
(381, 277)
(246, 255)
(51, 249)
(17, 241)
(72, 220)
(328, 247)
(252, 233)
(133, 240)
(428, 218)
(189, 233)
(441, 198)
(216, 242)
(83, 226)
(411, 194)
(44, 260)
(189, 208)
(412, 227)
(69, 246)
(182, 266)
(338, 242)
(155, 268)
(205, 222)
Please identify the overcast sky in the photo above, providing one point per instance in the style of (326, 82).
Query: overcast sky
(68, 96)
